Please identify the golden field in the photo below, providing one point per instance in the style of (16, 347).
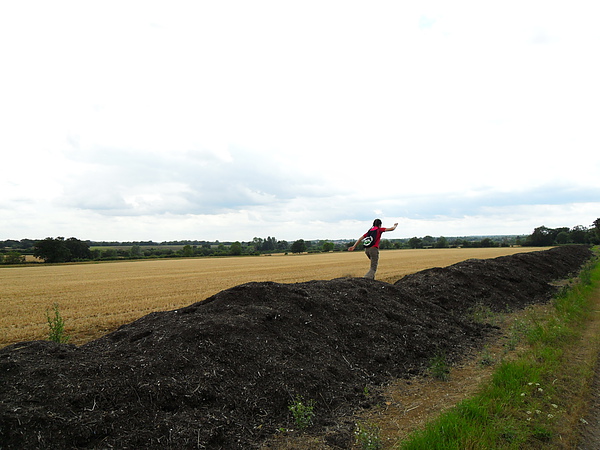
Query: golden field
(96, 298)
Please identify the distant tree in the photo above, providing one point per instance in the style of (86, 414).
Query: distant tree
(257, 243)
(187, 251)
(487, 242)
(299, 246)
(562, 237)
(13, 257)
(428, 241)
(61, 250)
(269, 244)
(79, 250)
(206, 250)
(10, 243)
(442, 242)
(458, 242)
(415, 242)
(385, 244)
(597, 226)
(135, 251)
(109, 253)
(52, 250)
(579, 234)
(328, 246)
(541, 237)
(27, 244)
(235, 248)
(504, 242)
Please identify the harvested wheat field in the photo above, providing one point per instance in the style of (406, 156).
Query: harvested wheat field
(221, 373)
(95, 299)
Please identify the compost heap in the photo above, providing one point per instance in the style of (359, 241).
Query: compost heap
(221, 373)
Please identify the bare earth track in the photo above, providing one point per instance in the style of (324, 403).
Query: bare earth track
(222, 372)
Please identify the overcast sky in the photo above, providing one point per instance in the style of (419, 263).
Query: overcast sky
(168, 120)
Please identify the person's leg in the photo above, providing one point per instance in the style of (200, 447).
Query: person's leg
(373, 254)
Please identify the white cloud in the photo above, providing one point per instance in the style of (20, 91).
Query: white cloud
(298, 121)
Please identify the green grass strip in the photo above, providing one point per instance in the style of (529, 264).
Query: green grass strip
(525, 403)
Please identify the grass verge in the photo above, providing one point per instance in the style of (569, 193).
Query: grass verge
(536, 397)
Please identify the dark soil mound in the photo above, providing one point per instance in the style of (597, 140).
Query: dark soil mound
(503, 283)
(222, 372)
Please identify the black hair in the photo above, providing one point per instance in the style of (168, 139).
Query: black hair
(377, 223)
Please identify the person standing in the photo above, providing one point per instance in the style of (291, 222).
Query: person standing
(371, 242)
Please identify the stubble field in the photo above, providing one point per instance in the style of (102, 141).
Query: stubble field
(95, 299)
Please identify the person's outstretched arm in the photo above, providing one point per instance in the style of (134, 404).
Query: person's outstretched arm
(351, 249)
(391, 228)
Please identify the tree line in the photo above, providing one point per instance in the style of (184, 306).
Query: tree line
(544, 236)
(541, 237)
(61, 250)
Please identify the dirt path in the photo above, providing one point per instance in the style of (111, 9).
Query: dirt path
(589, 424)
(412, 403)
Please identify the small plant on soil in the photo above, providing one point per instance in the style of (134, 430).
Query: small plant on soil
(303, 412)
(368, 436)
(57, 326)
(438, 367)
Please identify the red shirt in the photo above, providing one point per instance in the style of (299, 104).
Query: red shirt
(380, 231)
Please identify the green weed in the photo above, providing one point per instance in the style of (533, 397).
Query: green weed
(303, 412)
(438, 367)
(57, 326)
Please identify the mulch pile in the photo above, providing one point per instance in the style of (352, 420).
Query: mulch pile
(221, 373)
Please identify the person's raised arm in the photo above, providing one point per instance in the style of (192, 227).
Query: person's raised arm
(391, 228)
